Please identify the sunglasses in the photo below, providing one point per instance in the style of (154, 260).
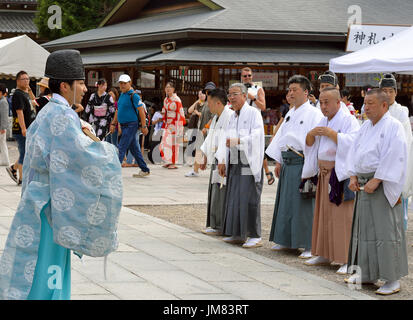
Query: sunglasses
(247, 76)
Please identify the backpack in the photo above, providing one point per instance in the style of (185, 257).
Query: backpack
(137, 115)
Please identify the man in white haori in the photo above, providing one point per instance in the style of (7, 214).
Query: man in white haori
(245, 143)
(389, 86)
(377, 164)
(293, 214)
(217, 102)
(326, 150)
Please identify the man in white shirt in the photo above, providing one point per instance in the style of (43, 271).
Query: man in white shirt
(217, 102)
(293, 214)
(326, 150)
(377, 164)
(245, 150)
(389, 86)
(256, 94)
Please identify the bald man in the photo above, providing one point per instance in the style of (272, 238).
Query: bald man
(327, 146)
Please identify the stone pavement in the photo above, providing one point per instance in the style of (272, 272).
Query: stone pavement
(159, 260)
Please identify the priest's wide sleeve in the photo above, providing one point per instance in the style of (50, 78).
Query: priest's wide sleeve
(85, 188)
(393, 161)
(345, 140)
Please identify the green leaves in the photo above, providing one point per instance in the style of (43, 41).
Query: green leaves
(75, 16)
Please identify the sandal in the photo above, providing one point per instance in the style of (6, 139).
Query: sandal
(271, 179)
(166, 165)
(172, 167)
(12, 173)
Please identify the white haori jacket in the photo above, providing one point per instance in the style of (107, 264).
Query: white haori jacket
(216, 137)
(346, 126)
(293, 131)
(249, 128)
(381, 149)
(401, 113)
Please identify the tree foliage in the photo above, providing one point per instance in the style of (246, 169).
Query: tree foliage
(77, 16)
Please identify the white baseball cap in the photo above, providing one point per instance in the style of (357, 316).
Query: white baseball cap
(124, 78)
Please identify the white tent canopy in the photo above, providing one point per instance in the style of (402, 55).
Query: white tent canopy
(22, 53)
(394, 54)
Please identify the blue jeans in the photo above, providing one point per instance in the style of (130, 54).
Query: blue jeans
(128, 141)
(129, 156)
(113, 138)
(21, 146)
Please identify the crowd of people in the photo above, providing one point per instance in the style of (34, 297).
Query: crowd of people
(343, 184)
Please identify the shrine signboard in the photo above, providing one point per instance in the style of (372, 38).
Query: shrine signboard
(362, 36)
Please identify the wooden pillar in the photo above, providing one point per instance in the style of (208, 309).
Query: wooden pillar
(107, 74)
(206, 74)
(215, 76)
(165, 77)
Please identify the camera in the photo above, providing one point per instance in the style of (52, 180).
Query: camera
(248, 85)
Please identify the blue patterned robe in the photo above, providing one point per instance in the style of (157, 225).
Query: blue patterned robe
(73, 182)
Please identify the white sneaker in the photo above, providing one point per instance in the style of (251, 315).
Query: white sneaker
(388, 288)
(192, 174)
(305, 255)
(317, 261)
(252, 243)
(278, 247)
(141, 174)
(342, 269)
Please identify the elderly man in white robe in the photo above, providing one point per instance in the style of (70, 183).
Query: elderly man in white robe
(217, 102)
(293, 213)
(326, 150)
(389, 86)
(243, 168)
(377, 164)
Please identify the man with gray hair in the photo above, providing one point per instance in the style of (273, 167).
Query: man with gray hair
(244, 142)
(377, 164)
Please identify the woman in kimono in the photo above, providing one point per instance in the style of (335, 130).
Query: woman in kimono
(100, 110)
(173, 125)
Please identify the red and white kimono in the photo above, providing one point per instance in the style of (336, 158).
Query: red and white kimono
(173, 123)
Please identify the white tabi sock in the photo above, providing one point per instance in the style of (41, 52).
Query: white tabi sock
(278, 247)
(316, 261)
(306, 254)
(342, 269)
(252, 242)
(389, 287)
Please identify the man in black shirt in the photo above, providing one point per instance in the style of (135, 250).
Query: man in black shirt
(22, 117)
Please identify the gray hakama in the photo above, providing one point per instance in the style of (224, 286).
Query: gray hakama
(243, 202)
(378, 244)
(293, 214)
(216, 203)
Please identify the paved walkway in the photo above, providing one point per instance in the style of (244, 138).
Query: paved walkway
(159, 260)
